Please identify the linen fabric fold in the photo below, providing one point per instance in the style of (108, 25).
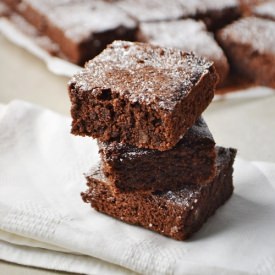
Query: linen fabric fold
(42, 216)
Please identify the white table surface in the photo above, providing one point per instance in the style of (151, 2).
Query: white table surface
(246, 124)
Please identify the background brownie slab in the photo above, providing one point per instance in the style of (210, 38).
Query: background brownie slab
(176, 214)
(81, 28)
(192, 160)
(265, 10)
(187, 35)
(142, 95)
(12, 3)
(215, 13)
(249, 45)
(151, 11)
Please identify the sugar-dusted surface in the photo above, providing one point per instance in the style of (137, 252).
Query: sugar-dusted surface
(85, 19)
(202, 6)
(176, 214)
(215, 13)
(154, 11)
(140, 94)
(145, 74)
(255, 32)
(265, 10)
(78, 26)
(188, 35)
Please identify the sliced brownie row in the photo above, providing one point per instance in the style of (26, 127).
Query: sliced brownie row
(78, 30)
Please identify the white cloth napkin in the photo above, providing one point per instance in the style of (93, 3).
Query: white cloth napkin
(44, 223)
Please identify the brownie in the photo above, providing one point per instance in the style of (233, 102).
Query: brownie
(141, 95)
(192, 160)
(187, 35)
(176, 214)
(249, 45)
(77, 26)
(29, 30)
(215, 13)
(151, 11)
(265, 10)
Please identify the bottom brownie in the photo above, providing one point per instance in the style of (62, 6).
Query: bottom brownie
(176, 214)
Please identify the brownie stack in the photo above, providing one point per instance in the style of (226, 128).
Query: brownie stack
(159, 165)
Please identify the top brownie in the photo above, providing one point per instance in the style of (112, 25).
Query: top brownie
(140, 94)
(249, 46)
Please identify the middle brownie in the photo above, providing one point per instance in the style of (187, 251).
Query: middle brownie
(192, 160)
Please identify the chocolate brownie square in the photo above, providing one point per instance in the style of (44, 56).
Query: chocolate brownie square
(215, 13)
(141, 95)
(191, 161)
(187, 35)
(265, 10)
(176, 214)
(78, 27)
(249, 45)
(41, 40)
(151, 11)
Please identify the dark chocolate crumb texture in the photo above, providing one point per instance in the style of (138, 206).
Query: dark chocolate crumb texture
(140, 94)
(176, 214)
(215, 13)
(191, 161)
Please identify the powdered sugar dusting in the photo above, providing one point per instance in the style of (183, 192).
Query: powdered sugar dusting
(152, 10)
(205, 6)
(266, 10)
(123, 152)
(155, 10)
(159, 77)
(187, 196)
(187, 35)
(82, 19)
(256, 32)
